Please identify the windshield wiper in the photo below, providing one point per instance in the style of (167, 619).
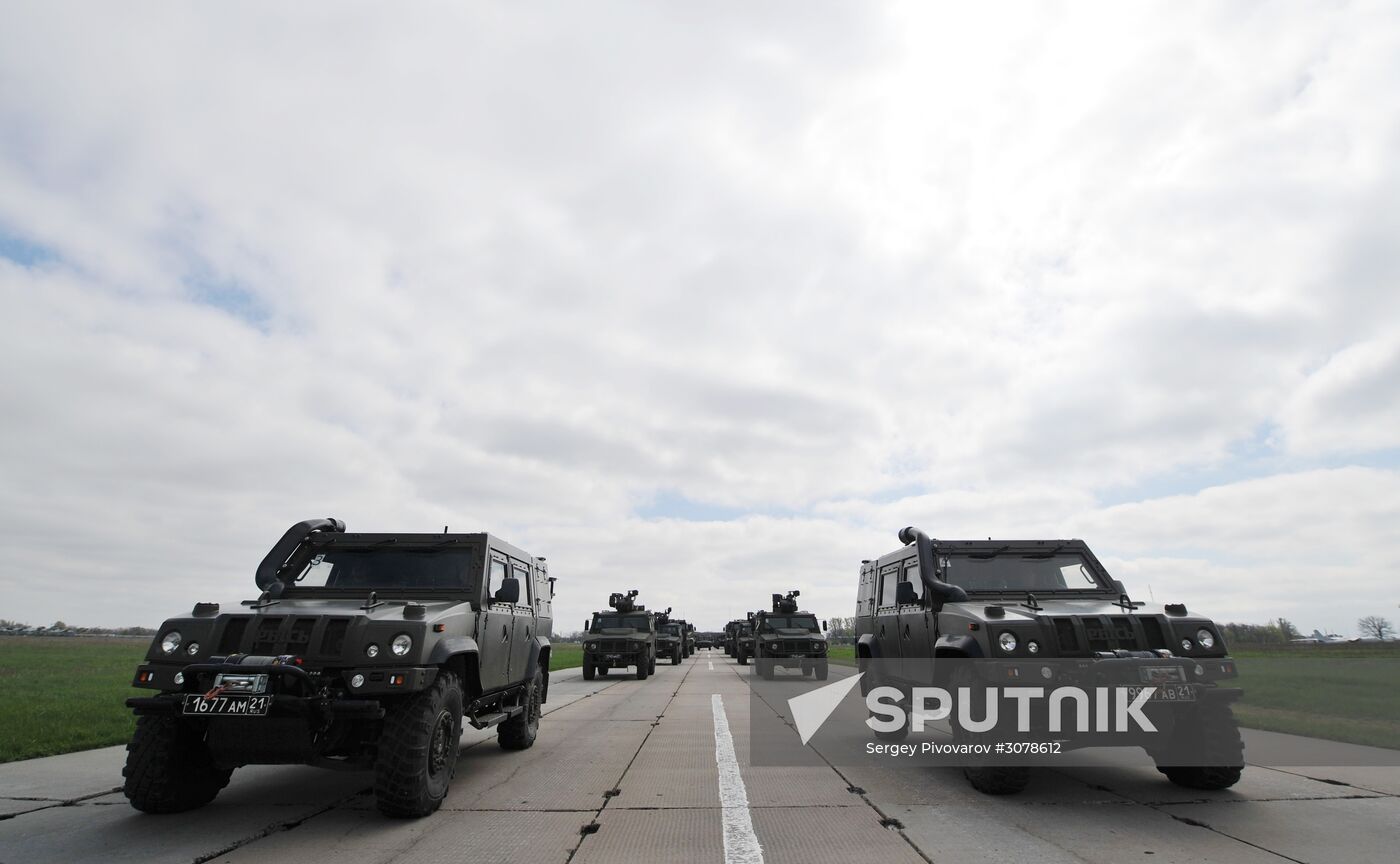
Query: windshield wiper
(988, 555)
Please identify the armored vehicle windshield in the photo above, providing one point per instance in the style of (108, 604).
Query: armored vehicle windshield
(789, 622)
(672, 629)
(1013, 571)
(388, 569)
(615, 621)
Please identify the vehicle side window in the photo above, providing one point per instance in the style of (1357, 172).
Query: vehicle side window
(498, 575)
(888, 577)
(527, 588)
(911, 575)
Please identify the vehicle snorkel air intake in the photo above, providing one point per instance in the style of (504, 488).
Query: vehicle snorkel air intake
(942, 592)
(278, 560)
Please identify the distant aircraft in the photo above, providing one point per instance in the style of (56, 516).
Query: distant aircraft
(1319, 638)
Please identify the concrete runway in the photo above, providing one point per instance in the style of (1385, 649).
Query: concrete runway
(628, 770)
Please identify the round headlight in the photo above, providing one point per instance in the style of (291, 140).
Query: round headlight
(1206, 638)
(1033, 647)
(1185, 644)
(1007, 640)
(170, 641)
(179, 677)
(401, 644)
(193, 649)
(357, 681)
(371, 650)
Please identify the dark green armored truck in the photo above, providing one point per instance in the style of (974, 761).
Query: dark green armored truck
(789, 638)
(731, 637)
(1046, 613)
(625, 636)
(364, 651)
(670, 639)
(743, 640)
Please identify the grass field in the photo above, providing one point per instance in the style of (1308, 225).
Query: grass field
(63, 694)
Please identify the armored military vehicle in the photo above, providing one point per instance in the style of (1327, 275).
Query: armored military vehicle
(625, 636)
(687, 637)
(707, 639)
(788, 638)
(670, 639)
(959, 614)
(364, 651)
(731, 637)
(743, 640)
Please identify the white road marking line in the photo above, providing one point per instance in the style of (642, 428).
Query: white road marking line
(711, 664)
(740, 843)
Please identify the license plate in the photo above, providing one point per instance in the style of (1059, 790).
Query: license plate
(612, 656)
(227, 706)
(1166, 693)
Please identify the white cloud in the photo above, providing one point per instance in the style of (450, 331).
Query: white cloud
(524, 270)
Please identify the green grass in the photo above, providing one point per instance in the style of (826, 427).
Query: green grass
(565, 655)
(58, 694)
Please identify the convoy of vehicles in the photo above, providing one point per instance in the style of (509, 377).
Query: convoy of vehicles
(370, 651)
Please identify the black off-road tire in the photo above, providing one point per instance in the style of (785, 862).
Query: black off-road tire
(651, 665)
(998, 780)
(1213, 736)
(588, 670)
(743, 658)
(168, 767)
(676, 657)
(518, 733)
(641, 668)
(822, 671)
(418, 749)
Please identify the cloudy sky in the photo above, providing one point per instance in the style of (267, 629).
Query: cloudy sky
(706, 299)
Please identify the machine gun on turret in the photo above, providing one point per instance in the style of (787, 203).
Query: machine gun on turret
(785, 605)
(625, 603)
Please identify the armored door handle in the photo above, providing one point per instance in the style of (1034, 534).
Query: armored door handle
(906, 631)
(505, 633)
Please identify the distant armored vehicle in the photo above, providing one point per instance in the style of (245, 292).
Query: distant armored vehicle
(707, 640)
(789, 638)
(364, 651)
(964, 613)
(670, 639)
(731, 637)
(687, 637)
(743, 640)
(624, 637)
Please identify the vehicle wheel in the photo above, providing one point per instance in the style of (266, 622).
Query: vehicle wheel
(588, 671)
(418, 750)
(675, 658)
(168, 767)
(766, 669)
(822, 671)
(999, 780)
(743, 658)
(1211, 735)
(641, 670)
(518, 733)
(651, 665)
(902, 732)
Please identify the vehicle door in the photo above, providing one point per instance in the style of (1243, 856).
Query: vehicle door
(915, 624)
(523, 632)
(497, 622)
(887, 624)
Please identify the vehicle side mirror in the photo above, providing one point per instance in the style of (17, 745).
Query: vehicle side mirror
(904, 594)
(824, 627)
(509, 592)
(586, 624)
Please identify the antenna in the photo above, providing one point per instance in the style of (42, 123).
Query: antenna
(444, 529)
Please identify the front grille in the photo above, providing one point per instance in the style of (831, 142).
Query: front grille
(232, 637)
(1064, 631)
(333, 639)
(621, 646)
(299, 637)
(265, 638)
